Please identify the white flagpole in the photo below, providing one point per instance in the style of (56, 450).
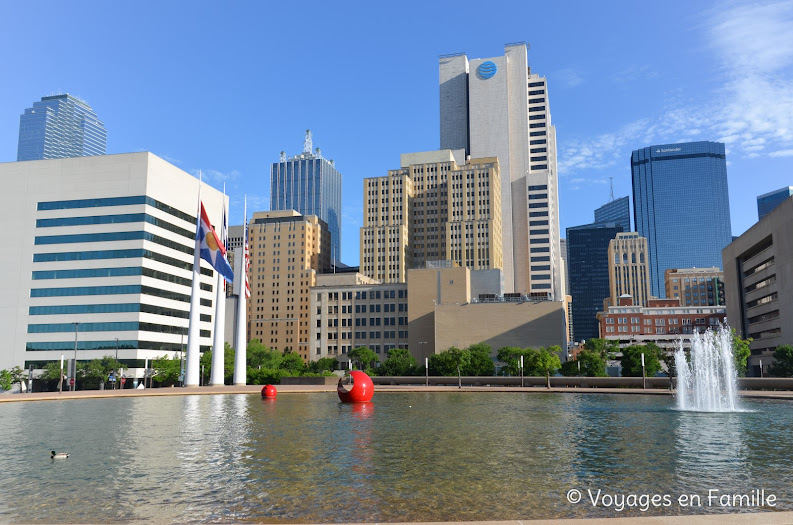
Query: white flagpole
(218, 374)
(193, 332)
(240, 355)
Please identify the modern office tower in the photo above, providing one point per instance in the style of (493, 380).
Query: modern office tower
(618, 210)
(309, 184)
(758, 281)
(115, 257)
(695, 286)
(349, 310)
(496, 107)
(430, 209)
(769, 201)
(287, 251)
(681, 205)
(587, 249)
(60, 126)
(629, 272)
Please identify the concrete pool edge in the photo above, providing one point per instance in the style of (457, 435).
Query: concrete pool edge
(310, 389)
(759, 518)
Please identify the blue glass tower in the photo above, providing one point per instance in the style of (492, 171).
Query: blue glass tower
(309, 184)
(618, 210)
(60, 126)
(769, 201)
(681, 205)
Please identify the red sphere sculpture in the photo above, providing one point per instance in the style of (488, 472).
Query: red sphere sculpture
(269, 391)
(362, 389)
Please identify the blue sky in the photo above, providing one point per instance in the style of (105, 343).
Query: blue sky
(225, 86)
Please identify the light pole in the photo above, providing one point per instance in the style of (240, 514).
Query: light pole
(644, 376)
(761, 368)
(119, 372)
(426, 363)
(74, 377)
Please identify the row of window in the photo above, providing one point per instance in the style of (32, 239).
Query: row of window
(116, 272)
(125, 326)
(115, 219)
(113, 290)
(115, 201)
(112, 308)
(35, 346)
(117, 254)
(113, 236)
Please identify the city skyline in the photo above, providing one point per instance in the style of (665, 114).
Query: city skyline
(183, 102)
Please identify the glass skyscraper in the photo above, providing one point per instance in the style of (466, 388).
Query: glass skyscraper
(60, 126)
(309, 184)
(769, 201)
(618, 210)
(681, 205)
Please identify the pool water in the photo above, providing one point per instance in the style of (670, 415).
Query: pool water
(402, 457)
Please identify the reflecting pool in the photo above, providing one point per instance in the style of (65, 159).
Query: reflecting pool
(403, 457)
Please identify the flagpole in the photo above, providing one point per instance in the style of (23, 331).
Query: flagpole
(240, 355)
(193, 332)
(218, 375)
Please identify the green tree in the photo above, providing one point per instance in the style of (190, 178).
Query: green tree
(52, 371)
(461, 359)
(166, 370)
(5, 380)
(441, 364)
(569, 368)
(545, 361)
(324, 364)
(362, 357)
(480, 362)
(293, 363)
(605, 347)
(632, 360)
(17, 376)
(593, 363)
(399, 363)
(783, 362)
(510, 356)
(741, 351)
(259, 356)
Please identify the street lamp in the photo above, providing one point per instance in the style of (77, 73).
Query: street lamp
(74, 376)
(426, 363)
(119, 372)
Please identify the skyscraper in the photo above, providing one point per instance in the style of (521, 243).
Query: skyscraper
(681, 205)
(618, 210)
(628, 271)
(432, 209)
(769, 201)
(587, 249)
(309, 184)
(496, 107)
(60, 126)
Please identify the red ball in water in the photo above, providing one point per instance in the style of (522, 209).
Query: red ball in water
(269, 391)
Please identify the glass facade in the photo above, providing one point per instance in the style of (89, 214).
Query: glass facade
(769, 201)
(310, 185)
(588, 267)
(60, 126)
(681, 205)
(617, 211)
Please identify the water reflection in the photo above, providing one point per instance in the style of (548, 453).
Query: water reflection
(403, 457)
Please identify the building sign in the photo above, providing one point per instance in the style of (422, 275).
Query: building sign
(668, 150)
(487, 69)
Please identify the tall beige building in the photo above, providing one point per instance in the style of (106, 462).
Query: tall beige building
(435, 207)
(287, 251)
(628, 270)
(695, 286)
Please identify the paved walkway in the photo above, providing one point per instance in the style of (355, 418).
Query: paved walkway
(308, 389)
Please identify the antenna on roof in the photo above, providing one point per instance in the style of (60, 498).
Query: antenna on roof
(611, 183)
(307, 143)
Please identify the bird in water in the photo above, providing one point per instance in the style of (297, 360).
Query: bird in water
(59, 455)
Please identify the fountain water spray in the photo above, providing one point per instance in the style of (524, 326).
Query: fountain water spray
(708, 383)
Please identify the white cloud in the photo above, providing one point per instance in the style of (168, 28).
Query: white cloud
(752, 111)
(782, 153)
(567, 77)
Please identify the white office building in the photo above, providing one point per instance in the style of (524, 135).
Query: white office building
(106, 242)
(496, 107)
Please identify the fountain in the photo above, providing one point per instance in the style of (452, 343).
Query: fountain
(707, 383)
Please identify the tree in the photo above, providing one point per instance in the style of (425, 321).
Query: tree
(362, 357)
(293, 363)
(632, 360)
(604, 347)
(5, 380)
(593, 364)
(460, 358)
(324, 364)
(741, 351)
(17, 376)
(166, 370)
(399, 363)
(546, 361)
(783, 362)
(97, 371)
(480, 363)
(259, 356)
(569, 368)
(52, 371)
(510, 356)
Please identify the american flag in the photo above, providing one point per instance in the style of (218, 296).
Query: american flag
(247, 264)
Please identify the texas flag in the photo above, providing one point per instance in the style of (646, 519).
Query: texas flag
(212, 250)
